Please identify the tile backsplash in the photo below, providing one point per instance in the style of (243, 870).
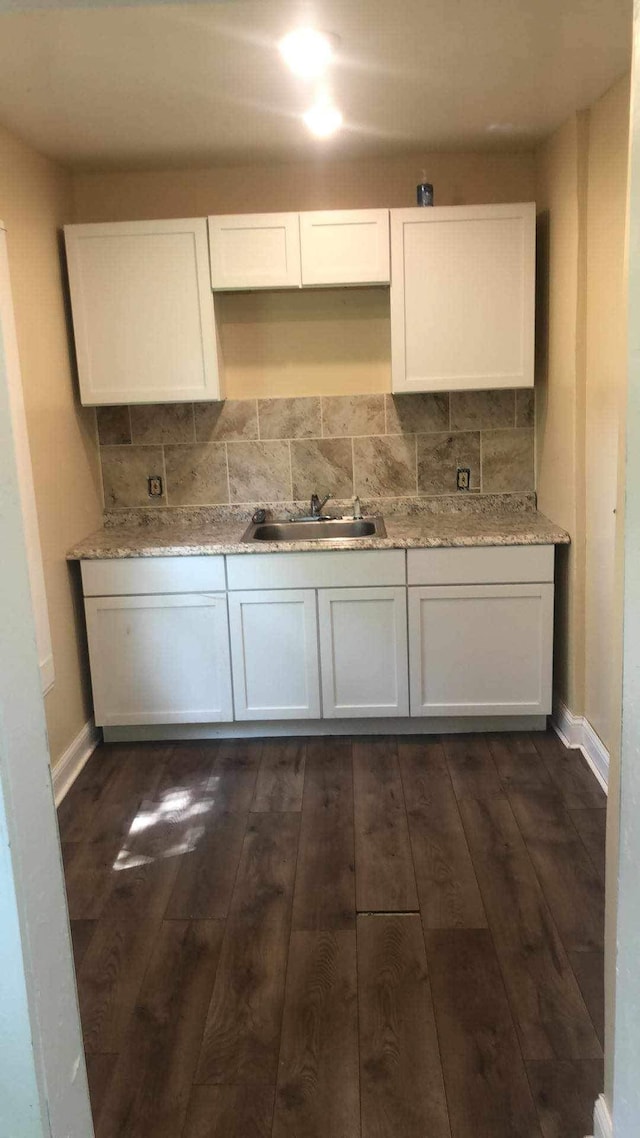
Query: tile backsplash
(281, 450)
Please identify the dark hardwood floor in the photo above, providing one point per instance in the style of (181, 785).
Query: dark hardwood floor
(339, 938)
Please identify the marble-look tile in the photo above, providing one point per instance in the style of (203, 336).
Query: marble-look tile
(352, 415)
(114, 426)
(439, 457)
(525, 407)
(125, 474)
(259, 471)
(162, 423)
(508, 460)
(322, 466)
(415, 414)
(385, 466)
(233, 419)
(482, 410)
(289, 418)
(196, 474)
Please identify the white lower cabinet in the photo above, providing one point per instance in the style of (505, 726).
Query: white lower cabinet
(480, 649)
(159, 659)
(274, 653)
(363, 648)
(167, 636)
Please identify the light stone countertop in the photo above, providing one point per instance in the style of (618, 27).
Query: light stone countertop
(403, 532)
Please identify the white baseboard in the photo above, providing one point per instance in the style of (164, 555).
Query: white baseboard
(576, 732)
(602, 1123)
(68, 767)
(313, 727)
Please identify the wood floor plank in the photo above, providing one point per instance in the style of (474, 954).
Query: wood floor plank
(324, 895)
(234, 774)
(138, 772)
(81, 803)
(518, 763)
(88, 873)
(263, 891)
(150, 1087)
(573, 889)
(570, 773)
(99, 1072)
(281, 776)
(589, 972)
(591, 825)
(110, 978)
(447, 887)
(242, 1033)
(188, 767)
(471, 766)
(207, 874)
(230, 1112)
(487, 1088)
(564, 1093)
(385, 879)
(550, 1013)
(318, 1085)
(81, 934)
(150, 858)
(401, 1082)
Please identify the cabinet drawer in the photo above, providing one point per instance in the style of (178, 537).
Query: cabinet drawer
(114, 577)
(328, 569)
(477, 566)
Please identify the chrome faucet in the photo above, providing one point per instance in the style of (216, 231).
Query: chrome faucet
(317, 506)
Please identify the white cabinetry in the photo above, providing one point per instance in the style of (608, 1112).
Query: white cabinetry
(255, 250)
(163, 649)
(462, 297)
(159, 659)
(363, 645)
(274, 650)
(477, 645)
(345, 247)
(143, 312)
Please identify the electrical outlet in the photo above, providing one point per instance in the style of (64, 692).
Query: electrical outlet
(463, 478)
(154, 483)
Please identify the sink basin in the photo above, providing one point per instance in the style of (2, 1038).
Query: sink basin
(322, 530)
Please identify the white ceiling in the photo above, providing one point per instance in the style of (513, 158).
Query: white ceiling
(204, 83)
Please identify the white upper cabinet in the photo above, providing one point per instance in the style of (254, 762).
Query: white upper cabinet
(143, 312)
(462, 297)
(339, 247)
(255, 250)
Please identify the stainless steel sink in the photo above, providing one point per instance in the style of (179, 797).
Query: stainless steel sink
(316, 529)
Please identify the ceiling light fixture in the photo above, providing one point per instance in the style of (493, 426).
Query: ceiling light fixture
(308, 53)
(323, 118)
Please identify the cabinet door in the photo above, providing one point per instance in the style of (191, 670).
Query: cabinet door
(255, 250)
(481, 649)
(462, 297)
(143, 312)
(274, 652)
(162, 659)
(363, 646)
(339, 247)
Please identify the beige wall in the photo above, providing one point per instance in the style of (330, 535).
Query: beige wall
(582, 194)
(304, 343)
(35, 200)
(605, 387)
(606, 380)
(559, 384)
